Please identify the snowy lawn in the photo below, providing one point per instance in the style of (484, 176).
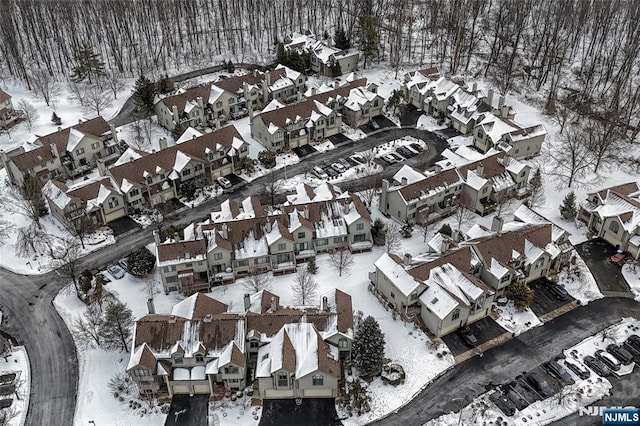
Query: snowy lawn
(427, 122)
(579, 282)
(513, 320)
(144, 135)
(40, 263)
(17, 362)
(98, 366)
(234, 413)
(632, 275)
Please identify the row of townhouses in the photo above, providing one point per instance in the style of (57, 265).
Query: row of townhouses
(215, 103)
(323, 53)
(472, 111)
(319, 116)
(454, 284)
(614, 215)
(204, 347)
(479, 181)
(8, 115)
(246, 237)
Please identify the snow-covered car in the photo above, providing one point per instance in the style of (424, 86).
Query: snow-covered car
(620, 353)
(609, 360)
(579, 369)
(319, 173)
(115, 271)
(223, 182)
(391, 159)
(338, 167)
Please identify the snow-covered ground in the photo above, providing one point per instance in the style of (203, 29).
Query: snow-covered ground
(98, 366)
(17, 362)
(516, 321)
(579, 282)
(581, 394)
(631, 273)
(427, 122)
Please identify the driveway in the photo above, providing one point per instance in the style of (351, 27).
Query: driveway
(485, 329)
(311, 412)
(410, 116)
(188, 410)
(502, 363)
(543, 300)
(596, 254)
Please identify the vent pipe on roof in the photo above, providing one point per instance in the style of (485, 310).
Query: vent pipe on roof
(151, 308)
(408, 259)
(247, 301)
(325, 304)
(274, 304)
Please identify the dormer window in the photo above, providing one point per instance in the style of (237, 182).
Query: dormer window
(177, 359)
(199, 358)
(149, 180)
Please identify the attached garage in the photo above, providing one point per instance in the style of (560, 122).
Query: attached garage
(201, 389)
(180, 389)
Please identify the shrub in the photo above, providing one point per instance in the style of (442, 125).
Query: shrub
(140, 262)
(267, 159)
(445, 229)
(521, 294)
(188, 189)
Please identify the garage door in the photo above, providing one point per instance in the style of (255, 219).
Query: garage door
(181, 389)
(201, 389)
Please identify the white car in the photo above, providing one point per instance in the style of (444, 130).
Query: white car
(115, 271)
(223, 182)
(321, 174)
(339, 167)
(389, 159)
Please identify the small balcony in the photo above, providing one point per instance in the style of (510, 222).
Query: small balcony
(302, 255)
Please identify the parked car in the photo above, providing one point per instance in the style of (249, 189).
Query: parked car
(503, 403)
(358, 159)
(623, 355)
(558, 291)
(579, 369)
(597, 366)
(416, 146)
(352, 161)
(223, 182)
(390, 159)
(539, 384)
(405, 152)
(609, 360)
(115, 271)
(319, 173)
(396, 156)
(330, 171)
(339, 167)
(555, 369)
(468, 337)
(413, 149)
(632, 344)
(345, 163)
(124, 263)
(620, 257)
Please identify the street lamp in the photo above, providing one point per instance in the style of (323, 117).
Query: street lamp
(464, 403)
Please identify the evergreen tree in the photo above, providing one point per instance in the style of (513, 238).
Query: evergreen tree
(281, 54)
(116, 326)
(536, 199)
(311, 266)
(341, 40)
(89, 64)
(407, 229)
(55, 119)
(568, 208)
(230, 67)
(165, 85)
(445, 230)
(521, 294)
(144, 93)
(368, 37)
(334, 69)
(368, 348)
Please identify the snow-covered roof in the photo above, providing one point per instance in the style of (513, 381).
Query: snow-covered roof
(438, 301)
(475, 181)
(56, 195)
(274, 235)
(252, 248)
(303, 337)
(75, 136)
(497, 269)
(127, 156)
(495, 127)
(478, 231)
(189, 134)
(274, 104)
(182, 160)
(412, 175)
(352, 215)
(397, 274)
(526, 215)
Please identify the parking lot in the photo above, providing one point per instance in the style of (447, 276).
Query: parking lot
(485, 330)
(543, 300)
(596, 254)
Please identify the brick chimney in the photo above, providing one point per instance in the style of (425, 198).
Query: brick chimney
(163, 143)
(408, 259)
(156, 237)
(151, 308)
(176, 116)
(200, 102)
(274, 304)
(324, 304)
(496, 224)
(490, 96)
(480, 169)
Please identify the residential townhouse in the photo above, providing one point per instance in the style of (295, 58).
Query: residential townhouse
(614, 215)
(245, 238)
(427, 197)
(89, 204)
(213, 104)
(323, 53)
(184, 265)
(8, 115)
(154, 178)
(494, 131)
(319, 116)
(202, 347)
(64, 154)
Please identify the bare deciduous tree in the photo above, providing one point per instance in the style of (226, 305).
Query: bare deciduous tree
(272, 187)
(27, 200)
(256, 281)
(8, 414)
(65, 258)
(536, 191)
(44, 86)
(570, 158)
(29, 112)
(392, 238)
(462, 215)
(341, 260)
(115, 83)
(97, 99)
(86, 328)
(78, 92)
(304, 287)
(31, 240)
(6, 228)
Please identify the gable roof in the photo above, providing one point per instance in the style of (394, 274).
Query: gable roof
(4, 96)
(180, 249)
(431, 183)
(460, 259)
(502, 246)
(198, 306)
(623, 189)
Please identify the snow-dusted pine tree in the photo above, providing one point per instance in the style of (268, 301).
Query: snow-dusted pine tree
(368, 348)
(568, 208)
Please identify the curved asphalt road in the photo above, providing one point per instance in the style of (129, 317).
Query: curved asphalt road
(29, 315)
(502, 363)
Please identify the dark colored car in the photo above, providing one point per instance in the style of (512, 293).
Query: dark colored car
(621, 353)
(468, 337)
(358, 159)
(633, 342)
(503, 403)
(416, 146)
(597, 366)
(609, 360)
(578, 368)
(555, 369)
(558, 291)
(405, 152)
(397, 157)
(352, 161)
(620, 257)
(330, 171)
(539, 384)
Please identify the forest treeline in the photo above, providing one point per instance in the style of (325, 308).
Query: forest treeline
(584, 50)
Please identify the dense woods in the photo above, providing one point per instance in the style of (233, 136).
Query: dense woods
(579, 52)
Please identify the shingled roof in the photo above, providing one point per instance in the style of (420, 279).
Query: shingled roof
(501, 246)
(179, 249)
(439, 180)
